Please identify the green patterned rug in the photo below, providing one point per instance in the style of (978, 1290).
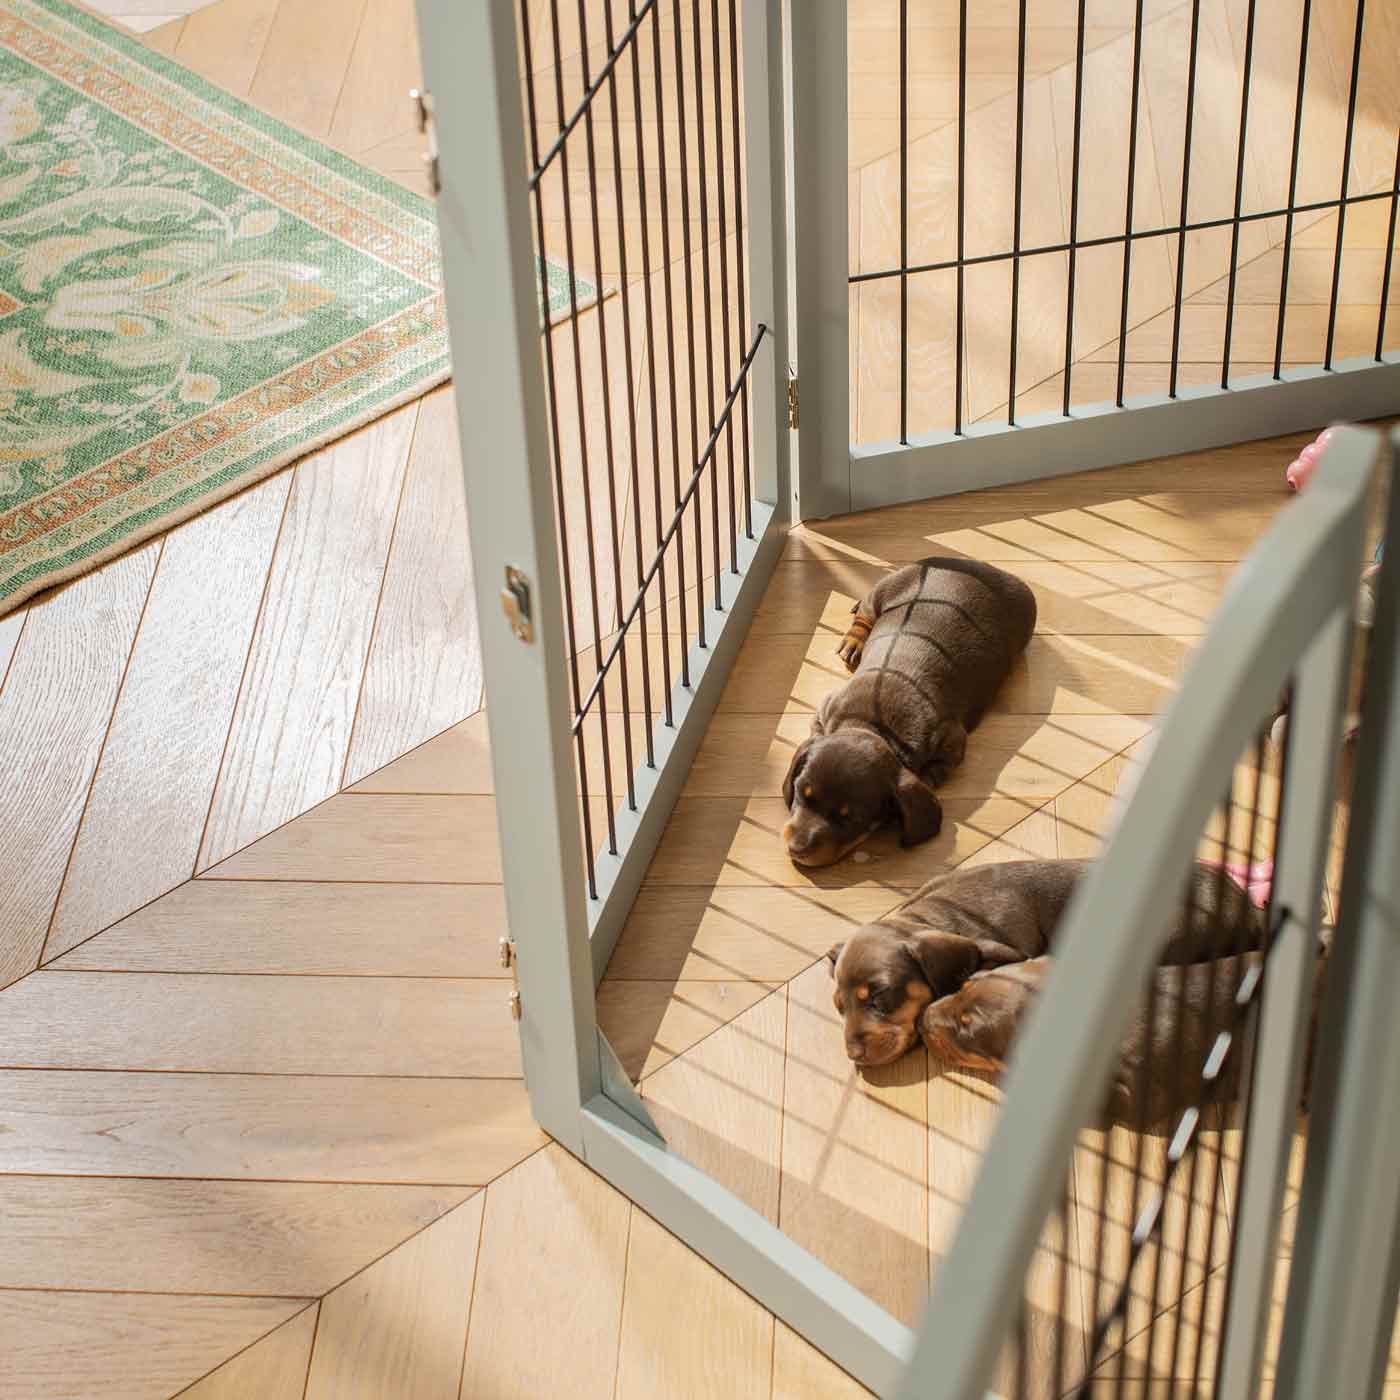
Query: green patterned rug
(191, 295)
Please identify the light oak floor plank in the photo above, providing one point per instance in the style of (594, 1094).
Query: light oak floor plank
(165, 38)
(11, 626)
(216, 1237)
(122, 1346)
(273, 1368)
(801, 1372)
(383, 66)
(292, 726)
(400, 1327)
(456, 761)
(140, 833)
(224, 42)
(54, 712)
(264, 1127)
(283, 926)
(424, 667)
(260, 1025)
(576, 1227)
(287, 86)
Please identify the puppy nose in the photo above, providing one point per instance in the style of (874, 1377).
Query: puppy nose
(797, 841)
(855, 1049)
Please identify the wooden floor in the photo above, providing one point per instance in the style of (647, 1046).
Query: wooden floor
(264, 1133)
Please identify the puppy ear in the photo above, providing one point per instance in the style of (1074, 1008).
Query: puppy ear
(920, 813)
(799, 757)
(947, 960)
(994, 954)
(832, 954)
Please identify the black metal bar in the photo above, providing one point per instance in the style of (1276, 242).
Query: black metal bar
(743, 314)
(961, 261)
(1346, 173)
(723, 284)
(591, 151)
(651, 397)
(1128, 216)
(1239, 195)
(670, 346)
(1292, 184)
(592, 90)
(689, 278)
(1186, 191)
(1136, 235)
(1074, 200)
(553, 398)
(673, 528)
(579, 399)
(1016, 210)
(1389, 254)
(1062, 1289)
(904, 220)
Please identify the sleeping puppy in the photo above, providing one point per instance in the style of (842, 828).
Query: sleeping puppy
(986, 917)
(930, 645)
(1158, 1072)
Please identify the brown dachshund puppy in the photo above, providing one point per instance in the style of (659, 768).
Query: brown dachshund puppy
(1159, 1068)
(930, 645)
(990, 916)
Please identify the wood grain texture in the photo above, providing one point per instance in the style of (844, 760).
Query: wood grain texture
(54, 711)
(383, 66)
(855, 1164)
(260, 1025)
(723, 1349)
(576, 1225)
(801, 1372)
(140, 833)
(264, 1127)
(205, 1236)
(424, 667)
(11, 625)
(123, 1346)
(456, 761)
(399, 1327)
(354, 837)
(291, 729)
(307, 928)
(224, 42)
(271, 1369)
(165, 38)
(287, 86)
(720, 1106)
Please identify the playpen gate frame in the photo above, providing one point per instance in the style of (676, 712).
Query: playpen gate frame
(1288, 613)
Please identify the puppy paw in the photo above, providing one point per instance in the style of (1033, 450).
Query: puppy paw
(852, 646)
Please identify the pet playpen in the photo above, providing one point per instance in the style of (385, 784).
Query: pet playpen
(624, 523)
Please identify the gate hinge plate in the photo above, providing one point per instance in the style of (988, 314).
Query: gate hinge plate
(515, 601)
(792, 400)
(427, 126)
(507, 956)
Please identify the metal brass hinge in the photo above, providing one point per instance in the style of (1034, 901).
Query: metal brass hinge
(508, 960)
(515, 602)
(792, 400)
(427, 126)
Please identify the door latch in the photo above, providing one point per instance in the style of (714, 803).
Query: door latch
(507, 956)
(792, 400)
(427, 126)
(515, 601)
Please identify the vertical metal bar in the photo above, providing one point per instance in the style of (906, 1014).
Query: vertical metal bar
(647, 293)
(725, 313)
(704, 176)
(553, 400)
(1340, 1312)
(613, 513)
(904, 221)
(632, 424)
(470, 64)
(1074, 200)
(1128, 215)
(1346, 173)
(689, 281)
(1314, 741)
(1186, 198)
(742, 313)
(1389, 251)
(821, 254)
(1292, 185)
(579, 399)
(1239, 194)
(1016, 212)
(1062, 1291)
(962, 218)
(684, 645)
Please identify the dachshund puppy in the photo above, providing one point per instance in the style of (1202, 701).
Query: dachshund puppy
(929, 646)
(1158, 1072)
(991, 916)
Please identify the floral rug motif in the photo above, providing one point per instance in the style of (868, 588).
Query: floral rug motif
(191, 295)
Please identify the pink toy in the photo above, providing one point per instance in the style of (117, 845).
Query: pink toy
(1301, 467)
(1255, 880)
